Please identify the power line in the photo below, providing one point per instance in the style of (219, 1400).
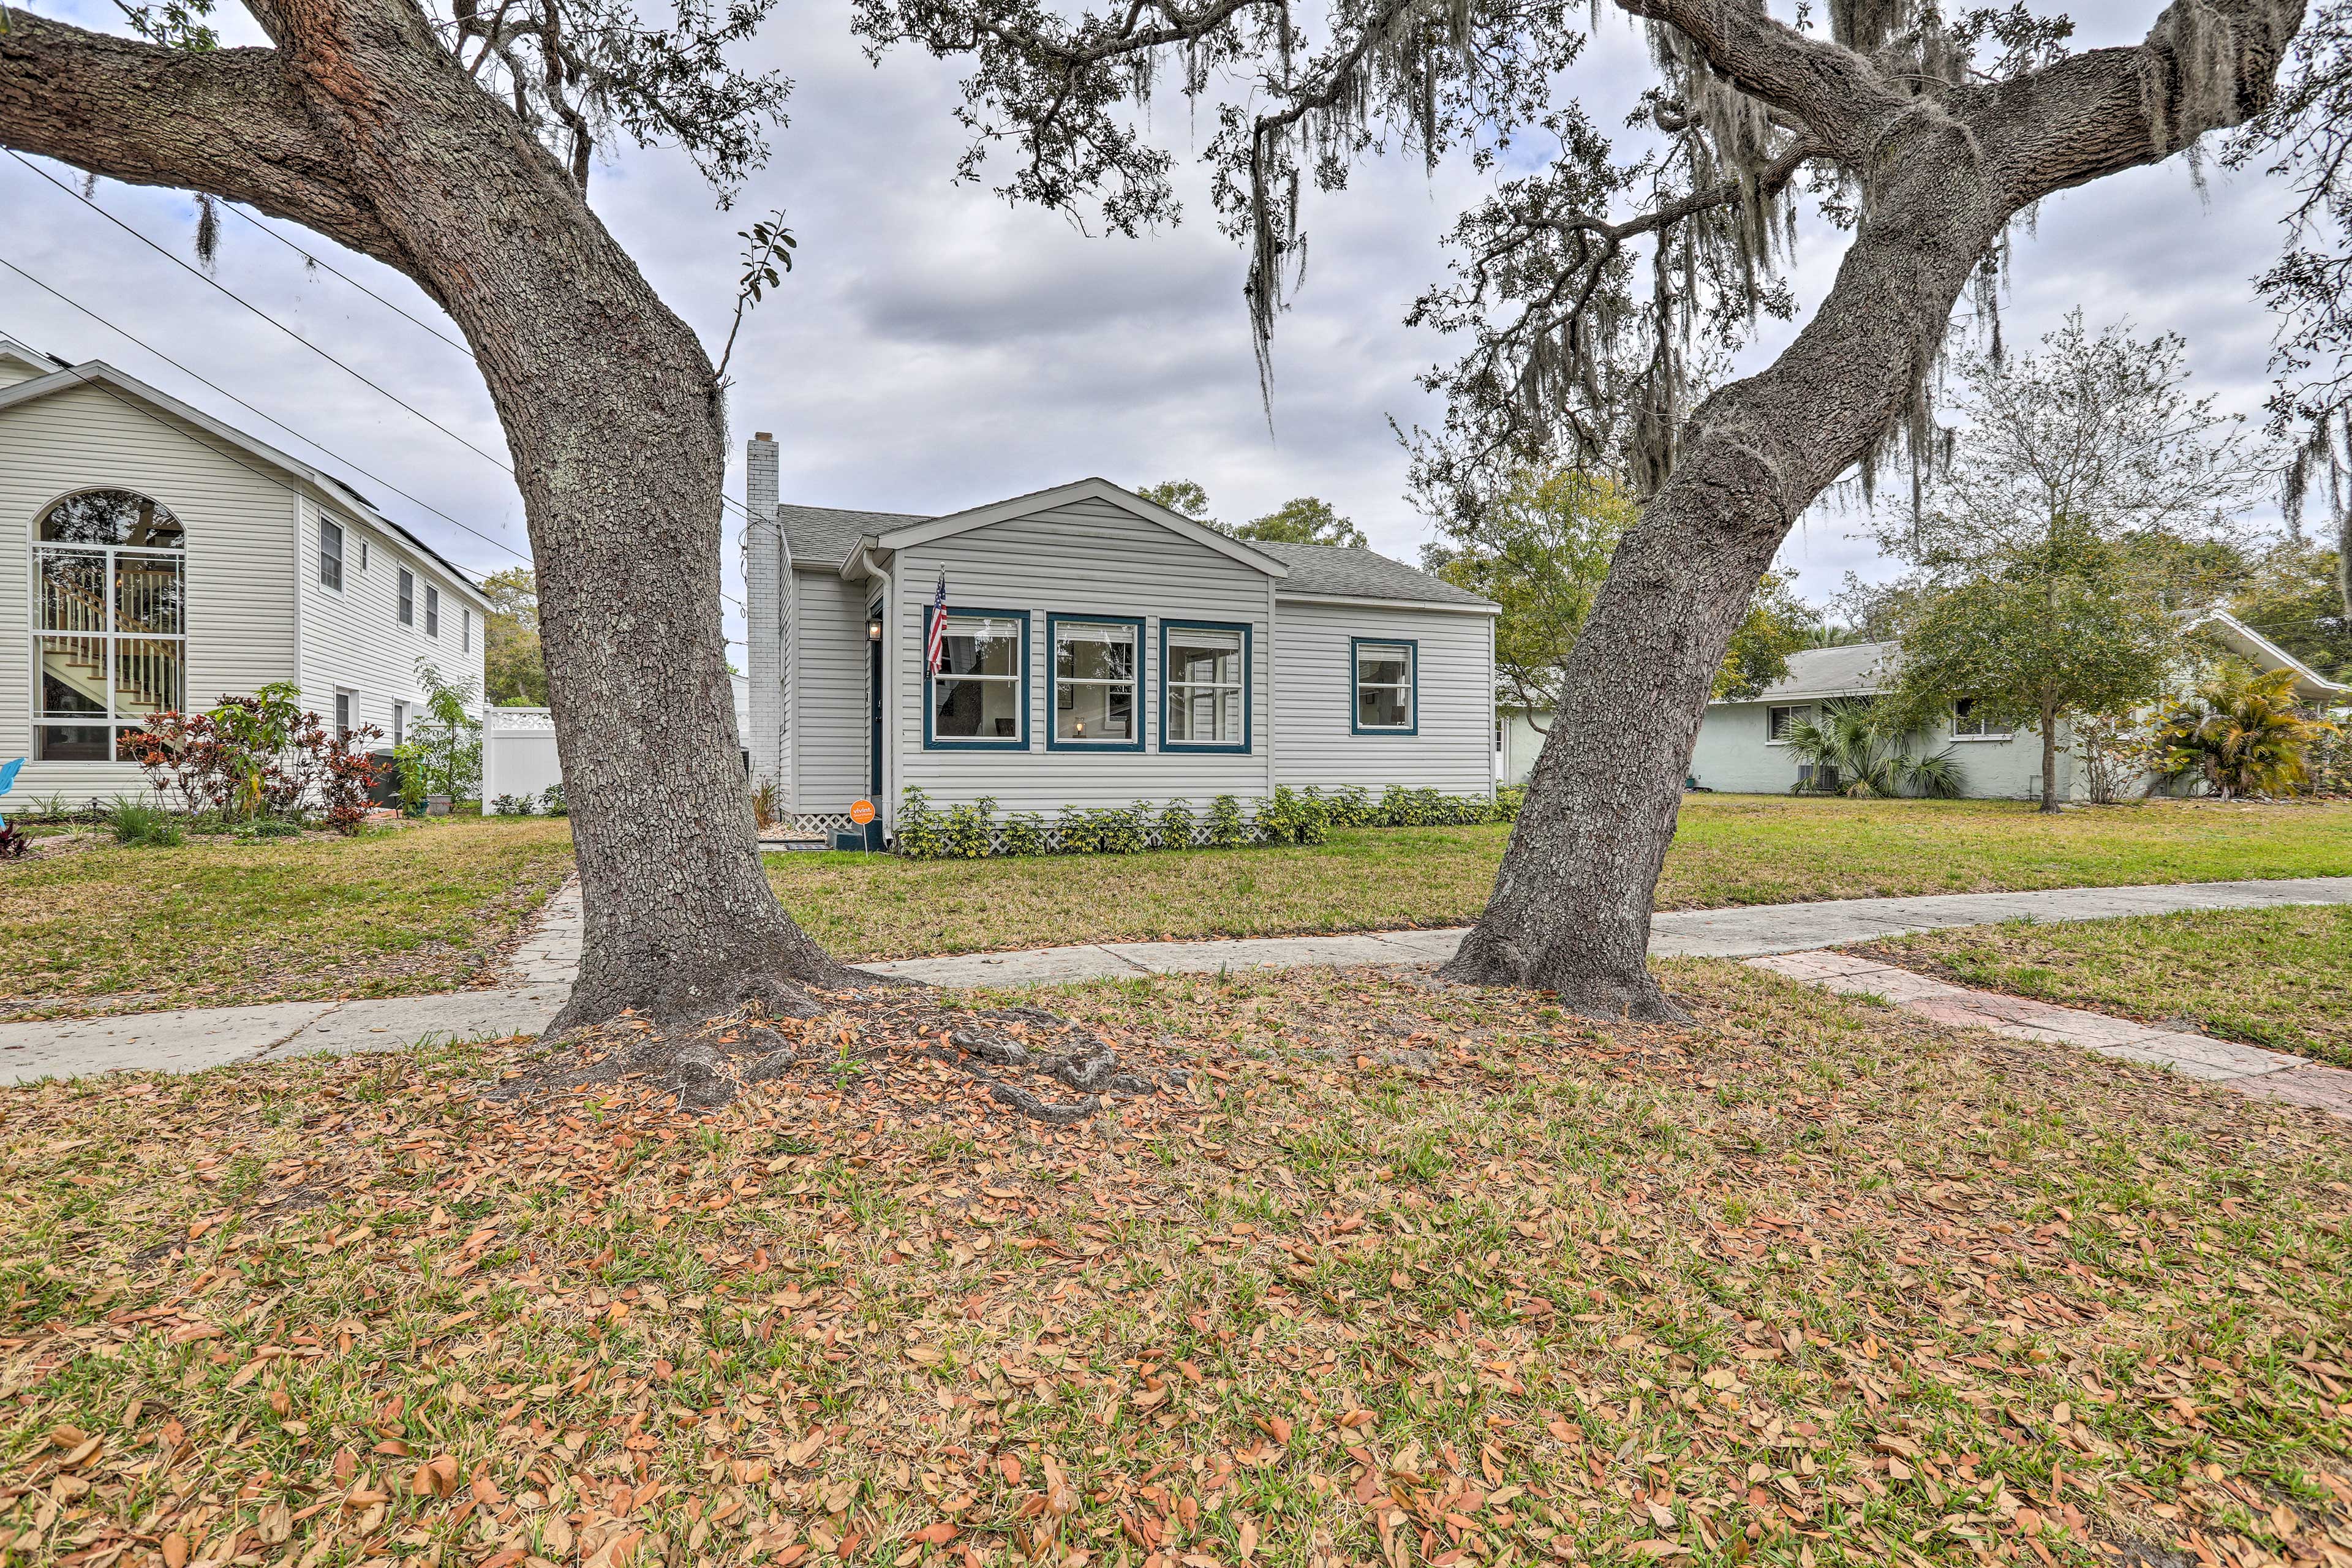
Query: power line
(325, 266)
(725, 500)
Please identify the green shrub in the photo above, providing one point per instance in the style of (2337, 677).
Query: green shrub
(1074, 832)
(1349, 806)
(919, 834)
(1174, 827)
(1025, 833)
(1402, 808)
(514, 805)
(969, 834)
(145, 826)
(1122, 829)
(1227, 828)
(1507, 801)
(1290, 817)
(552, 801)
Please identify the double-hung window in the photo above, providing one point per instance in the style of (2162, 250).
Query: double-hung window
(1204, 686)
(1097, 682)
(1387, 682)
(1782, 718)
(432, 611)
(331, 555)
(407, 598)
(978, 697)
(1968, 726)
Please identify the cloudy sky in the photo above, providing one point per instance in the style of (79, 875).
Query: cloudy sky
(937, 349)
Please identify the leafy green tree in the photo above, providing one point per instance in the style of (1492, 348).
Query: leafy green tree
(1304, 520)
(514, 664)
(1184, 496)
(2073, 625)
(447, 738)
(2290, 594)
(2241, 733)
(1541, 548)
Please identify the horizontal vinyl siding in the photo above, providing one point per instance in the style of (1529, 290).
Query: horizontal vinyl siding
(830, 700)
(354, 640)
(239, 520)
(1315, 665)
(1734, 755)
(1090, 558)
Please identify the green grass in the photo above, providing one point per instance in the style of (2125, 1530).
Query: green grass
(418, 907)
(2278, 978)
(1731, 849)
(1807, 1285)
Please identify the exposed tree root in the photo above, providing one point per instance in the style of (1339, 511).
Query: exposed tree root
(864, 1044)
(1587, 990)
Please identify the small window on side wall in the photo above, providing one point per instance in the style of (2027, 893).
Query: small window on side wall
(331, 555)
(1387, 678)
(1968, 726)
(407, 598)
(1782, 718)
(432, 611)
(977, 696)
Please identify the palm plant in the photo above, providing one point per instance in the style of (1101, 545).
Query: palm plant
(2241, 733)
(1871, 759)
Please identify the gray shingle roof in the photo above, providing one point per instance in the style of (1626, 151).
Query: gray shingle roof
(1849, 671)
(825, 535)
(1358, 575)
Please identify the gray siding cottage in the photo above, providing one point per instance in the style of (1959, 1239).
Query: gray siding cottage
(160, 559)
(1743, 747)
(1100, 650)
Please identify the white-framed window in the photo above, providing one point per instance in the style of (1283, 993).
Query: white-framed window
(407, 598)
(110, 622)
(1966, 726)
(1783, 717)
(1204, 686)
(399, 722)
(363, 551)
(1387, 678)
(1096, 669)
(465, 628)
(978, 696)
(331, 555)
(345, 704)
(432, 611)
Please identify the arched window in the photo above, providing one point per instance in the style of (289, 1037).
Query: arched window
(109, 627)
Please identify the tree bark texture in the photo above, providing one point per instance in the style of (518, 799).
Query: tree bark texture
(360, 125)
(2049, 757)
(1940, 179)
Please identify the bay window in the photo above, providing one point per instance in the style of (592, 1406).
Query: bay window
(1204, 686)
(1096, 676)
(978, 697)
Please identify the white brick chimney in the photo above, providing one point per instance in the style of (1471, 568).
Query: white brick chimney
(767, 586)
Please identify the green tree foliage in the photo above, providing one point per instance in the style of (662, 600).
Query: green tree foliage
(2290, 596)
(1304, 520)
(1184, 496)
(2241, 734)
(1871, 751)
(445, 741)
(514, 667)
(1541, 549)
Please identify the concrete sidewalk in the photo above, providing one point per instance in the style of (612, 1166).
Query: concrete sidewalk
(540, 975)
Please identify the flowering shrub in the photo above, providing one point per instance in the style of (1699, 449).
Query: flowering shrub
(1174, 828)
(1025, 833)
(1226, 828)
(1349, 806)
(969, 832)
(1121, 829)
(1289, 818)
(919, 835)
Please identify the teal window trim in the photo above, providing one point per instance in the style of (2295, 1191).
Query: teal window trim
(1355, 705)
(932, 742)
(1249, 716)
(1054, 741)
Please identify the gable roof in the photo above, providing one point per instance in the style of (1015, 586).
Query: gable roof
(827, 538)
(1346, 572)
(99, 372)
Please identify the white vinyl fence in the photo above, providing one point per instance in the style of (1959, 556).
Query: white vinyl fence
(518, 754)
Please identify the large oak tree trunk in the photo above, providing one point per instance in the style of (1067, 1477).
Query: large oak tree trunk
(1940, 180)
(360, 125)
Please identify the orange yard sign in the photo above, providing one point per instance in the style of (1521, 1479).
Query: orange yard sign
(862, 812)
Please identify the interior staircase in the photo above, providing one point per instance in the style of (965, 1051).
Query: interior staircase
(73, 654)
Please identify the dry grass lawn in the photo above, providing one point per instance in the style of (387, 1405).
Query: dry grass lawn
(1409, 1276)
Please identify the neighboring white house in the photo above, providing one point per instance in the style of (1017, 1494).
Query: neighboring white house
(163, 560)
(1100, 650)
(1743, 748)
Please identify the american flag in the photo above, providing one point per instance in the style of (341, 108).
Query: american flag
(935, 645)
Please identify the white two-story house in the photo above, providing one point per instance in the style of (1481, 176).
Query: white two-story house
(154, 558)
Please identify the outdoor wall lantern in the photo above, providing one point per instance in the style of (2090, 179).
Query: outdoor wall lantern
(873, 629)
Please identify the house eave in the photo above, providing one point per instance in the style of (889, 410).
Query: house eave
(1366, 601)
